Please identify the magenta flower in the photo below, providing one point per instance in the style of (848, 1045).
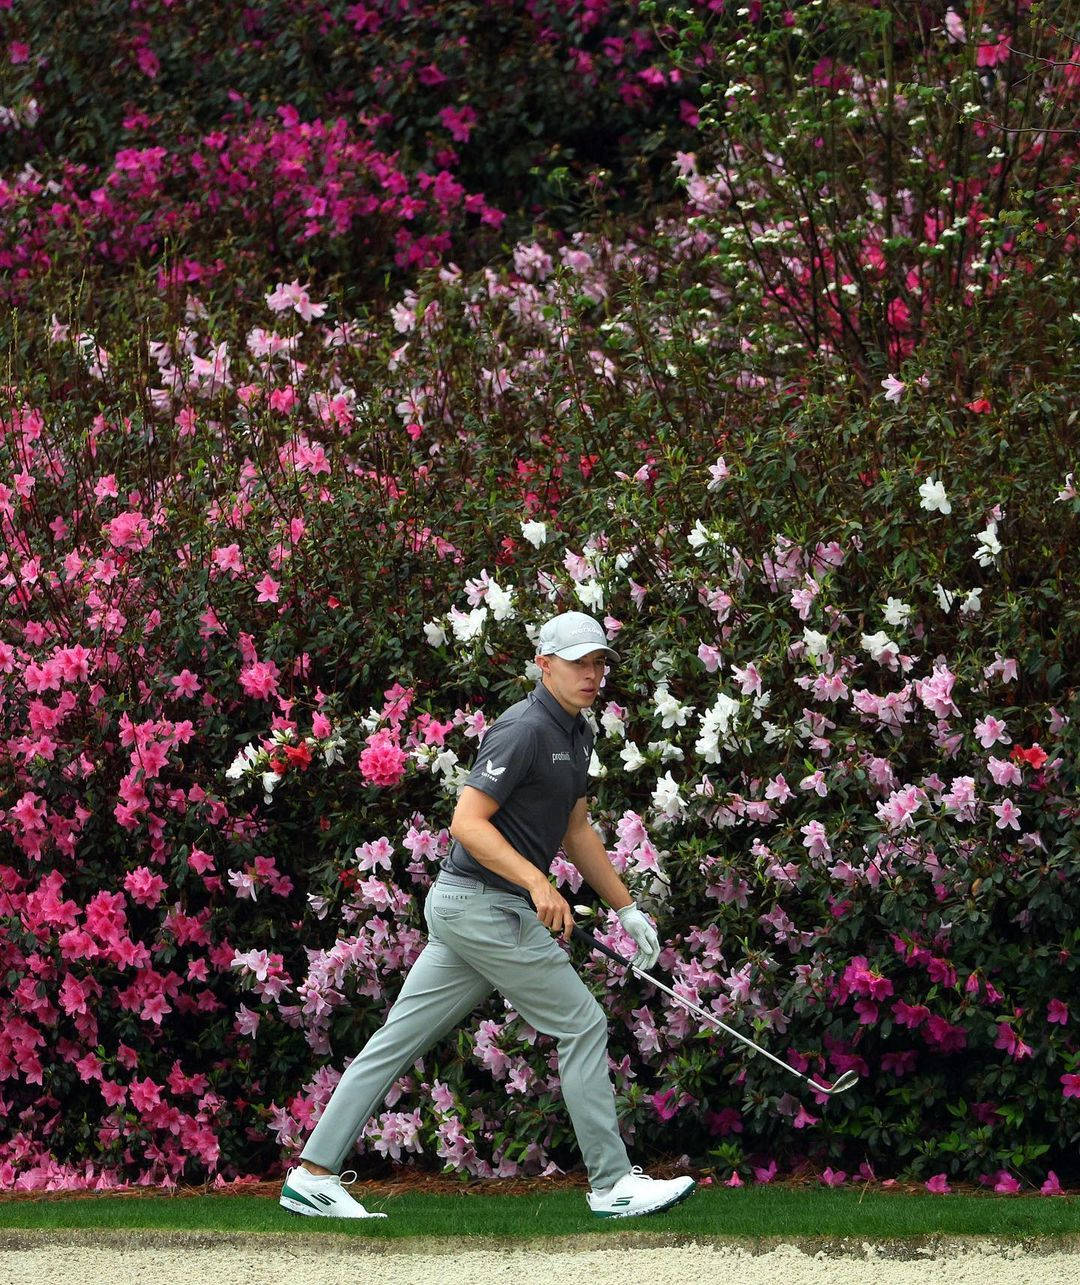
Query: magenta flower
(1051, 1187)
(1006, 1184)
(938, 1185)
(1057, 1011)
(1070, 1085)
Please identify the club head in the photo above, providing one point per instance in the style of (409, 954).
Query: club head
(845, 1082)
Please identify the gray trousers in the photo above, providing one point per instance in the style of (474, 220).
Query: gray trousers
(483, 940)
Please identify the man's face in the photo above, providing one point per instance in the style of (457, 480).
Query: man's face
(575, 684)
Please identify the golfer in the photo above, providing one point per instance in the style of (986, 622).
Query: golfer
(491, 914)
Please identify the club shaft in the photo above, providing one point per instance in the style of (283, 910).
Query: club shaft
(711, 1018)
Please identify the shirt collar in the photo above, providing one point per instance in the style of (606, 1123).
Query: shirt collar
(568, 722)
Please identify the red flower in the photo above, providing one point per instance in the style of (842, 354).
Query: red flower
(1035, 756)
(298, 755)
(979, 407)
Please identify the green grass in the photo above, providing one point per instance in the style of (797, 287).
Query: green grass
(751, 1214)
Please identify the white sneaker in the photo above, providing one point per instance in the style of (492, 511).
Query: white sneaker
(321, 1195)
(637, 1193)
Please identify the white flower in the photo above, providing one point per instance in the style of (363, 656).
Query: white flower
(989, 546)
(934, 497)
(1068, 491)
(699, 536)
(444, 763)
(631, 756)
(269, 780)
(434, 633)
(591, 594)
(668, 709)
(896, 612)
(945, 598)
(501, 601)
(972, 603)
(668, 753)
(879, 645)
(242, 764)
(815, 643)
(596, 768)
(666, 798)
(612, 724)
(716, 726)
(467, 624)
(331, 750)
(534, 532)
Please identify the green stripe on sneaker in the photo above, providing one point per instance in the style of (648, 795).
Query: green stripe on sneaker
(295, 1195)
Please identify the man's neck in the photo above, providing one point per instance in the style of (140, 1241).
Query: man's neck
(572, 710)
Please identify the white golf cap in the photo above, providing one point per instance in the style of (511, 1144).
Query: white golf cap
(573, 635)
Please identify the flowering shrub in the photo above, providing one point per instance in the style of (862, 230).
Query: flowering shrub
(270, 569)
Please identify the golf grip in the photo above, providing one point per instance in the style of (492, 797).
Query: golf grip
(587, 939)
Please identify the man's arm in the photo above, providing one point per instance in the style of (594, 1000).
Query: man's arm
(586, 850)
(471, 826)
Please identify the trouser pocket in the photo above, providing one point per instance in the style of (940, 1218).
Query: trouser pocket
(506, 925)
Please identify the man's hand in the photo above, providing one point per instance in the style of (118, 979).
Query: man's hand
(552, 909)
(643, 933)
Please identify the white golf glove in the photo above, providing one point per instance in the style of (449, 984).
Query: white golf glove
(643, 933)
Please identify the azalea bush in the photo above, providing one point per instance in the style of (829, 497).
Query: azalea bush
(273, 561)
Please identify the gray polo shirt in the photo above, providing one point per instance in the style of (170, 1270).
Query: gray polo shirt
(533, 761)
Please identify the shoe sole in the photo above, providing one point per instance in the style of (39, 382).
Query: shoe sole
(653, 1209)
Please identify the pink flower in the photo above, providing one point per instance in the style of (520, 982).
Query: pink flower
(144, 887)
(954, 27)
(803, 1119)
(1006, 1184)
(320, 726)
(990, 731)
(259, 679)
(898, 809)
(227, 558)
(709, 657)
(185, 682)
(1057, 1011)
(833, 1178)
(382, 762)
(894, 388)
(1051, 1187)
(938, 1185)
(1007, 813)
(295, 296)
(767, 1174)
(1004, 772)
(268, 589)
(129, 531)
(1070, 1086)
(815, 840)
(105, 487)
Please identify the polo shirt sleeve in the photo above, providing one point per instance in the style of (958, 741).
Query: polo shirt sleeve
(506, 756)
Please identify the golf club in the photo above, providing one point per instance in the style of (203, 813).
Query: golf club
(844, 1083)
